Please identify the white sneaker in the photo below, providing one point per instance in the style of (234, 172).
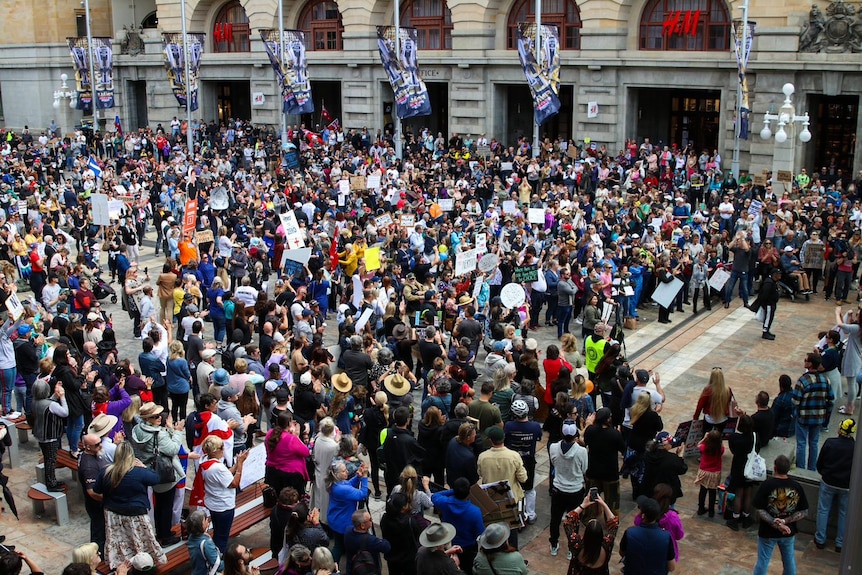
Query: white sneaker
(555, 549)
(579, 321)
(569, 555)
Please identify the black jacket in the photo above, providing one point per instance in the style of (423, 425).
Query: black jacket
(835, 461)
(402, 449)
(663, 467)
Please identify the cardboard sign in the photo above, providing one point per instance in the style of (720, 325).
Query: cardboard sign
(447, 205)
(497, 504)
(292, 232)
(511, 207)
(536, 215)
(373, 181)
(526, 273)
(483, 151)
(759, 180)
(465, 262)
(383, 220)
(785, 176)
(190, 217)
(488, 263)
(372, 259)
(357, 183)
(204, 236)
(99, 207)
(407, 220)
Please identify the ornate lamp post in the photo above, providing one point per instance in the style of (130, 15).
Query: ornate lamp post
(62, 93)
(787, 120)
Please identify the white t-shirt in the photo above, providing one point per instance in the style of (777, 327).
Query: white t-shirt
(247, 295)
(217, 495)
(656, 401)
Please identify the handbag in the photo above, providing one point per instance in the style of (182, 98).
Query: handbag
(755, 465)
(630, 323)
(270, 497)
(162, 464)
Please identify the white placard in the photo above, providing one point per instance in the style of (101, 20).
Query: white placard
(219, 199)
(446, 204)
(592, 109)
(656, 224)
(628, 291)
(373, 181)
(465, 262)
(115, 208)
(121, 190)
(512, 295)
(344, 187)
(607, 311)
(536, 215)
(292, 233)
(383, 220)
(477, 289)
(506, 166)
(665, 293)
(363, 319)
(15, 307)
(488, 263)
(254, 467)
(511, 207)
(22, 208)
(301, 255)
(258, 99)
(99, 207)
(719, 279)
(482, 243)
(407, 220)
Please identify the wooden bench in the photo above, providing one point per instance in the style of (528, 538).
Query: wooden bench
(248, 512)
(64, 459)
(265, 562)
(39, 494)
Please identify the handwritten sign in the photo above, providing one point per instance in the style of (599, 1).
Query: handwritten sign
(357, 183)
(526, 273)
(482, 243)
(483, 151)
(512, 295)
(718, 279)
(447, 205)
(488, 263)
(344, 187)
(785, 176)
(99, 206)
(383, 220)
(15, 307)
(373, 181)
(759, 180)
(292, 232)
(510, 207)
(536, 215)
(254, 467)
(115, 208)
(465, 262)
(408, 220)
(204, 236)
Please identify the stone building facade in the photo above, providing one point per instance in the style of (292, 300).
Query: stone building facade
(662, 69)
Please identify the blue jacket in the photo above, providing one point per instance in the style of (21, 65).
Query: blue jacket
(152, 366)
(466, 517)
(130, 496)
(201, 561)
(342, 502)
(179, 376)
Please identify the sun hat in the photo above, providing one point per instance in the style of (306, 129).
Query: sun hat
(495, 535)
(220, 377)
(342, 383)
(396, 384)
(150, 409)
(102, 424)
(437, 534)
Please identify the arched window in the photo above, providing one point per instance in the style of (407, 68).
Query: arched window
(433, 22)
(321, 22)
(689, 25)
(563, 14)
(151, 21)
(231, 32)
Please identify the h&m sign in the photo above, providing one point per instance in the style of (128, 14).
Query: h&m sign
(681, 23)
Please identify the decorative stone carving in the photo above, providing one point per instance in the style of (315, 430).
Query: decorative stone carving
(132, 43)
(840, 31)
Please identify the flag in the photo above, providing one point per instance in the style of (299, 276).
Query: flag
(117, 126)
(94, 165)
(543, 79)
(333, 254)
(402, 69)
(324, 114)
(333, 125)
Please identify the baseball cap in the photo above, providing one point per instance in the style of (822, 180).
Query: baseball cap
(208, 354)
(642, 375)
(663, 437)
(24, 330)
(228, 391)
(603, 415)
(495, 434)
(271, 385)
(499, 345)
(520, 408)
(570, 428)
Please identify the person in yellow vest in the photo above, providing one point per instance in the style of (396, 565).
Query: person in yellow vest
(594, 348)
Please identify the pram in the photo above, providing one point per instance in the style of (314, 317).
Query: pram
(102, 289)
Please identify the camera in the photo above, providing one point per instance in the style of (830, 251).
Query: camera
(676, 442)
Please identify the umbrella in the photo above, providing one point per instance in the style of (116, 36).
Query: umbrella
(7, 495)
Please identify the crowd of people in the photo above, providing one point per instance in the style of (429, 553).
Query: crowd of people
(426, 264)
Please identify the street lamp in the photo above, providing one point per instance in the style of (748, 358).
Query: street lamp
(786, 117)
(64, 92)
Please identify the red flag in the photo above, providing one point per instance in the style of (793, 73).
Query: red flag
(333, 125)
(333, 254)
(325, 115)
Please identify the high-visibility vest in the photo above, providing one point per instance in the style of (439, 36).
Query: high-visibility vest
(594, 350)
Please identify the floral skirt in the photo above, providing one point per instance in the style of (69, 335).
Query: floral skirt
(708, 479)
(128, 535)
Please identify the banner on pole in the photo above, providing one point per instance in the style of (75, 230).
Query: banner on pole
(544, 79)
(81, 64)
(742, 50)
(411, 95)
(291, 69)
(175, 65)
(103, 56)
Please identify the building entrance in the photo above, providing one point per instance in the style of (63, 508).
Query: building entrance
(520, 115)
(682, 117)
(233, 100)
(834, 129)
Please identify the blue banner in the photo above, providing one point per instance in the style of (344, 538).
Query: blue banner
(291, 69)
(175, 65)
(544, 79)
(103, 58)
(411, 95)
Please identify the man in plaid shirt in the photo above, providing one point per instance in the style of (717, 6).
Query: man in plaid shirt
(813, 398)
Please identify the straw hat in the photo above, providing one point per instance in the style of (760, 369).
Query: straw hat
(464, 299)
(397, 385)
(342, 383)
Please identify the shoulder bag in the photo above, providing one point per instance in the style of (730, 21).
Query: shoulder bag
(162, 464)
(755, 465)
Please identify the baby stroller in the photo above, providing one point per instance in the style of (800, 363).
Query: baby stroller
(101, 289)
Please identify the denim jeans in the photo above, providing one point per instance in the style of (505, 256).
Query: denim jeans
(743, 286)
(765, 546)
(7, 387)
(807, 435)
(828, 496)
(74, 427)
(222, 521)
(564, 317)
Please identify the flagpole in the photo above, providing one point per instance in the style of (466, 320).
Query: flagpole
(539, 65)
(190, 137)
(281, 88)
(735, 164)
(92, 68)
(397, 124)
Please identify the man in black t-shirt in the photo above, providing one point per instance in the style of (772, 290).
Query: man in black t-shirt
(780, 503)
(90, 465)
(604, 445)
(430, 348)
(470, 328)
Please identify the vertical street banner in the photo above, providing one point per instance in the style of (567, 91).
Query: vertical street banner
(103, 68)
(411, 95)
(743, 51)
(81, 64)
(544, 79)
(291, 69)
(175, 65)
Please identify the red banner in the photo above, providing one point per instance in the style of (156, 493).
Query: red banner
(191, 217)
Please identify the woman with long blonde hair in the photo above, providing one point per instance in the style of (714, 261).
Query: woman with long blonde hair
(123, 486)
(645, 423)
(88, 554)
(715, 401)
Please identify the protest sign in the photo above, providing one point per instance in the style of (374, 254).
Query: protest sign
(372, 259)
(512, 295)
(510, 207)
(203, 236)
(665, 293)
(488, 263)
(373, 181)
(383, 220)
(301, 255)
(292, 268)
(719, 279)
(292, 232)
(446, 204)
(99, 207)
(465, 262)
(536, 215)
(528, 273)
(407, 220)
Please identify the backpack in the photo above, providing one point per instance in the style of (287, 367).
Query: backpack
(228, 357)
(362, 562)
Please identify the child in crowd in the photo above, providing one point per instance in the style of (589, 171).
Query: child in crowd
(709, 472)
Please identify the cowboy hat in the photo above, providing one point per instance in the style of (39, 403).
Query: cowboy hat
(150, 409)
(397, 385)
(437, 534)
(102, 424)
(342, 383)
(464, 299)
(399, 332)
(495, 535)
